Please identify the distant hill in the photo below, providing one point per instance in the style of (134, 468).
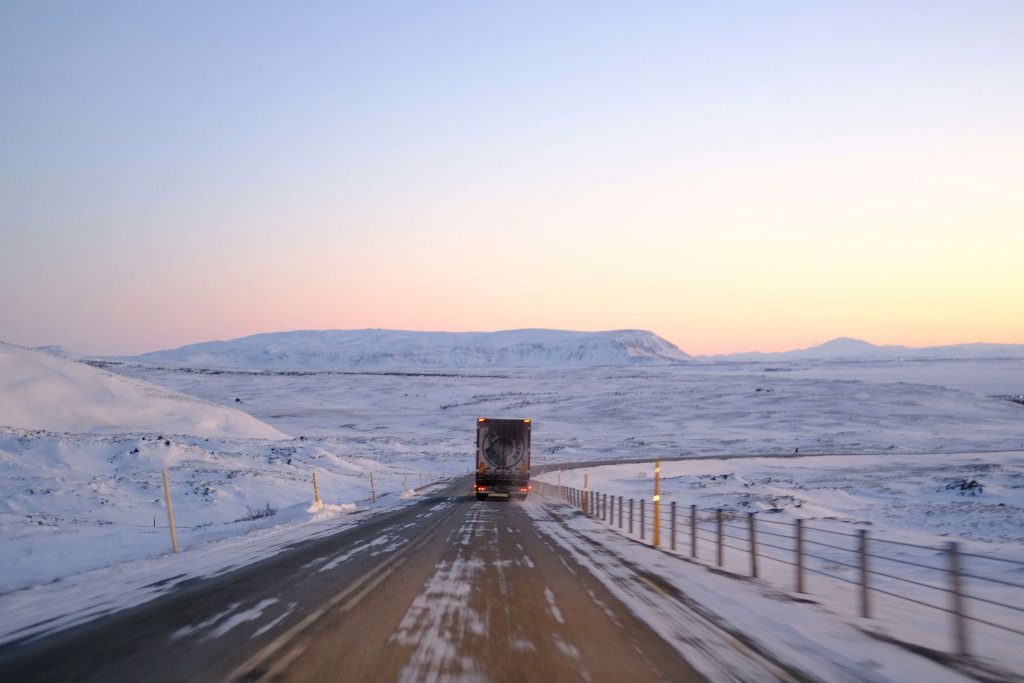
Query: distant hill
(382, 349)
(845, 348)
(41, 390)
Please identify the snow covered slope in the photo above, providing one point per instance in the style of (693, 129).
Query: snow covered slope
(337, 349)
(39, 390)
(845, 348)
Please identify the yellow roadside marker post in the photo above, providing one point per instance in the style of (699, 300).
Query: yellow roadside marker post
(657, 498)
(586, 475)
(421, 478)
(373, 494)
(170, 515)
(316, 496)
(405, 481)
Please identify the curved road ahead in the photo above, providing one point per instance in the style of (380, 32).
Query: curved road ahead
(449, 588)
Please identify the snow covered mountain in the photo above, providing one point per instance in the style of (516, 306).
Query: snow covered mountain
(378, 349)
(40, 390)
(845, 348)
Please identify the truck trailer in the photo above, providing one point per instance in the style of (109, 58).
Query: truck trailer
(502, 458)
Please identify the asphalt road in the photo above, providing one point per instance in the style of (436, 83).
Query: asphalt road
(447, 589)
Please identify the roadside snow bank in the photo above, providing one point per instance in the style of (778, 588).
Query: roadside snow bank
(730, 630)
(909, 506)
(119, 581)
(39, 390)
(70, 503)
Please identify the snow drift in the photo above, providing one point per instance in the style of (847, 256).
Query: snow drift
(369, 349)
(39, 390)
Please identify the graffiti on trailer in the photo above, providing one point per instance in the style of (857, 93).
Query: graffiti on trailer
(501, 451)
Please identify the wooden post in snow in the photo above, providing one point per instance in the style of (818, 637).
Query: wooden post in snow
(170, 515)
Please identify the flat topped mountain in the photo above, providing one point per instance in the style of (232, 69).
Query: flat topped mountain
(381, 349)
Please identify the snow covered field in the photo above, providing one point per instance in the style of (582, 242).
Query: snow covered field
(630, 412)
(79, 501)
(81, 454)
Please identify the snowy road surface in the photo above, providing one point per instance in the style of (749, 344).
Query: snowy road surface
(450, 588)
(446, 589)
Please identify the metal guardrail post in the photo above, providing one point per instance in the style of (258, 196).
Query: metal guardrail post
(630, 516)
(799, 547)
(718, 522)
(956, 590)
(643, 522)
(657, 501)
(673, 525)
(586, 475)
(753, 545)
(620, 512)
(865, 605)
(693, 531)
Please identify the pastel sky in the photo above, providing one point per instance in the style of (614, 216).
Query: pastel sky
(733, 176)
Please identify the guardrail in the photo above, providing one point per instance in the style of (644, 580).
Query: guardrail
(975, 592)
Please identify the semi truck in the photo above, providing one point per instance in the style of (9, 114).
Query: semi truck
(502, 458)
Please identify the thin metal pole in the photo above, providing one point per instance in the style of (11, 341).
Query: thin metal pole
(373, 493)
(865, 606)
(718, 521)
(753, 546)
(799, 556)
(643, 520)
(693, 531)
(620, 512)
(630, 516)
(673, 525)
(956, 589)
(657, 498)
(586, 475)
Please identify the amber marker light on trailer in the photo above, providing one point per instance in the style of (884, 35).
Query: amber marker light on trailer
(479, 419)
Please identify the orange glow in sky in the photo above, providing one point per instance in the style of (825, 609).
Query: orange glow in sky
(731, 179)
